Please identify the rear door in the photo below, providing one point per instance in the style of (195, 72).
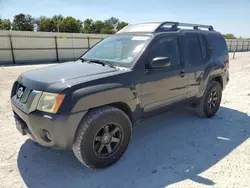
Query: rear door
(196, 59)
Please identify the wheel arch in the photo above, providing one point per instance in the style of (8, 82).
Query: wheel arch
(120, 105)
(217, 79)
(206, 81)
(123, 107)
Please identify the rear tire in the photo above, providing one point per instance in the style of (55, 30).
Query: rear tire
(102, 137)
(210, 102)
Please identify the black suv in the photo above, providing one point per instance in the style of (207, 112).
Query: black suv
(91, 105)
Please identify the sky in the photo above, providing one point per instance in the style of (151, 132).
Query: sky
(227, 16)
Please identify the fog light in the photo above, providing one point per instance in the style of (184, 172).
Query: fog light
(46, 136)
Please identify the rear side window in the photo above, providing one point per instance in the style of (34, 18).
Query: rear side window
(203, 46)
(193, 48)
(218, 43)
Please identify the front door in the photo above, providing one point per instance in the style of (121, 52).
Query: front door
(164, 86)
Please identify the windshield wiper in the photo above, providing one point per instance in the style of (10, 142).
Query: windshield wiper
(97, 61)
(109, 64)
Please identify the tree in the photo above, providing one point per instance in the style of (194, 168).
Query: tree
(70, 25)
(88, 26)
(58, 23)
(49, 24)
(98, 26)
(45, 24)
(5, 24)
(109, 26)
(57, 19)
(23, 22)
(114, 22)
(229, 36)
(121, 25)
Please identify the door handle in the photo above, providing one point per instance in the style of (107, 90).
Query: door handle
(182, 74)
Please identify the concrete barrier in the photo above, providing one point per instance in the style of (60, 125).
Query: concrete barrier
(30, 47)
(238, 45)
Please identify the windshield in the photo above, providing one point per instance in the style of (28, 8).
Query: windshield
(118, 50)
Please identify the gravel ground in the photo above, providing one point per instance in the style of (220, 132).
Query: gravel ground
(175, 149)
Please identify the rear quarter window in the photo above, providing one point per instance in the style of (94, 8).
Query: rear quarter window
(218, 44)
(194, 51)
(203, 44)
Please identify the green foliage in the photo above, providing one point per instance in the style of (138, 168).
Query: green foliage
(23, 22)
(5, 24)
(49, 24)
(88, 26)
(58, 23)
(229, 36)
(45, 24)
(109, 26)
(98, 26)
(57, 19)
(70, 25)
(121, 25)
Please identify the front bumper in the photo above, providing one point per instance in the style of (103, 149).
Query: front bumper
(61, 128)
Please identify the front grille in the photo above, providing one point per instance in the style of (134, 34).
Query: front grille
(22, 93)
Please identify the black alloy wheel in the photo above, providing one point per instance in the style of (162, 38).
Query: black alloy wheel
(108, 139)
(209, 103)
(213, 100)
(102, 137)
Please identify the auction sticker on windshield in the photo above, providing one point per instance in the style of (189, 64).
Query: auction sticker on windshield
(140, 38)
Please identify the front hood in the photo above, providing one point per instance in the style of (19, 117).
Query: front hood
(62, 75)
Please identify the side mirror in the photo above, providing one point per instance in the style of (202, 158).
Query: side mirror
(160, 62)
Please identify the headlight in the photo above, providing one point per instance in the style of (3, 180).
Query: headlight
(50, 102)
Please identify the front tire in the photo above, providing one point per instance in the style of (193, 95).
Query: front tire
(102, 137)
(210, 102)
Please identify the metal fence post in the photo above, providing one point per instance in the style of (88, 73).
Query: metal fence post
(242, 46)
(237, 46)
(88, 43)
(248, 46)
(12, 50)
(230, 47)
(234, 54)
(57, 57)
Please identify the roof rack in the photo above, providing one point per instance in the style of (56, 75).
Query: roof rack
(176, 24)
(160, 26)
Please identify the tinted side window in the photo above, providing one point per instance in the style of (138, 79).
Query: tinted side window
(193, 49)
(203, 46)
(165, 47)
(219, 47)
